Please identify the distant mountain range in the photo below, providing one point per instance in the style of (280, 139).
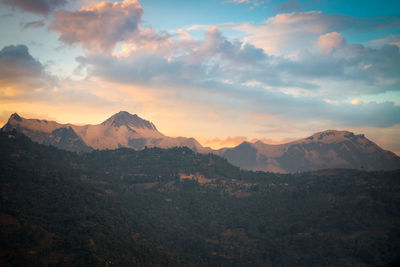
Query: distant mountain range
(328, 149)
(120, 130)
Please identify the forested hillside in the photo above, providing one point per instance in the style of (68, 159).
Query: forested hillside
(174, 207)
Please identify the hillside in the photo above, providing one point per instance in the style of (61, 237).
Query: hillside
(174, 207)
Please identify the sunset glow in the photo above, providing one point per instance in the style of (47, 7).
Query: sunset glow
(223, 71)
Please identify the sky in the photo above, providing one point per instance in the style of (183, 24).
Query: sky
(221, 71)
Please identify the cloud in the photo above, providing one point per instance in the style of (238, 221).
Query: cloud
(305, 109)
(373, 114)
(175, 61)
(221, 63)
(20, 72)
(391, 40)
(24, 79)
(227, 142)
(6, 15)
(216, 44)
(233, 141)
(25, 83)
(289, 33)
(342, 70)
(330, 41)
(296, 69)
(235, 74)
(99, 27)
(254, 3)
(289, 6)
(42, 7)
(348, 69)
(236, 97)
(34, 24)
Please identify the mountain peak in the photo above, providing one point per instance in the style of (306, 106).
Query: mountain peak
(125, 118)
(331, 135)
(123, 113)
(15, 117)
(332, 132)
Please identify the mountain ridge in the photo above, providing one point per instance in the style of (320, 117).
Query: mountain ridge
(325, 149)
(120, 130)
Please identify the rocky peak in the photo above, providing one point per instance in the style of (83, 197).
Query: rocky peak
(125, 118)
(15, 117)
(331, 136)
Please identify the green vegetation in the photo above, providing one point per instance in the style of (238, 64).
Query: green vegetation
(175, 207)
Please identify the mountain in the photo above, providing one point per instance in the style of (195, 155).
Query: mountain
(175, 207)
(134, 121)
(328, 149)
(48, 133)
(120, 130)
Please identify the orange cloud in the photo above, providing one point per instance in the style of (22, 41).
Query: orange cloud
(233, 141)
(279, 32)
(288, 33)
(330, 41)
(100, 26)
(227, 142)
